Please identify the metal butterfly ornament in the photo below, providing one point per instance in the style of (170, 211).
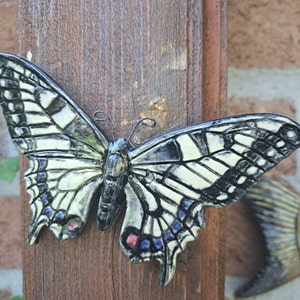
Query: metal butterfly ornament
(168, 181)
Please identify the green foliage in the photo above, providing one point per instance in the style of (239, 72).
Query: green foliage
(16, 298)
(8, 168)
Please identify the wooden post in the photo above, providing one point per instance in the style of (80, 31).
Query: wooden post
(213, 106)
(164, 59)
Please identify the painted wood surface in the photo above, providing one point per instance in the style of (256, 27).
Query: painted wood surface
(163, 59)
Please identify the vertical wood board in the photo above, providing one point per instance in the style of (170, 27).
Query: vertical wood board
(132, 60)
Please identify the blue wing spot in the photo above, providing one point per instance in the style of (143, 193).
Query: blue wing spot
(41, 176)
(176, 226)
(168, 235)
(145, 244)
(44, 198)
(59, 216)
(42, 164)
(186, 203)
(157, 243)
(181, 214)
(42, 188)
(48, 211)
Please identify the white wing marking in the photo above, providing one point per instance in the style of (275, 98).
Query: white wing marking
(188, 148)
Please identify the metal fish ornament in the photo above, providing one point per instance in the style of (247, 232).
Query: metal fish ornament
(277, 209)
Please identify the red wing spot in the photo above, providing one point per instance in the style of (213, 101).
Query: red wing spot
(72, 226)
(131, 240)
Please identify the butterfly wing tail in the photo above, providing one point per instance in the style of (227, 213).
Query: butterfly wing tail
(158, 229)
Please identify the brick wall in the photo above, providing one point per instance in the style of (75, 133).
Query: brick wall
(263, 76)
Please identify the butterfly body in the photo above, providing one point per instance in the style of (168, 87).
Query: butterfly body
(167, 183)
(114, 179)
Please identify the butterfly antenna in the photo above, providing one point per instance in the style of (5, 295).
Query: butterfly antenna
(102, 116)
(149, 122)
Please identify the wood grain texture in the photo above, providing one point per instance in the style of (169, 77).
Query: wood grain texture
(214, 106)
(131, 59)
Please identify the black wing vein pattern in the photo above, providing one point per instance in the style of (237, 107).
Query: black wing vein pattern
(176, 177)
(65, 149)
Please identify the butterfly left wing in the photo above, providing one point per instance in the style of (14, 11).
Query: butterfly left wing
(64, 147)
(175, 177)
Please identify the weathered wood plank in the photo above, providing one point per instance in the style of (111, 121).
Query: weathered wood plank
(131, 59)
(214, 106)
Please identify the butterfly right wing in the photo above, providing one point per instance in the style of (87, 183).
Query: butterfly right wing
(174, 178)
(65, 149)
